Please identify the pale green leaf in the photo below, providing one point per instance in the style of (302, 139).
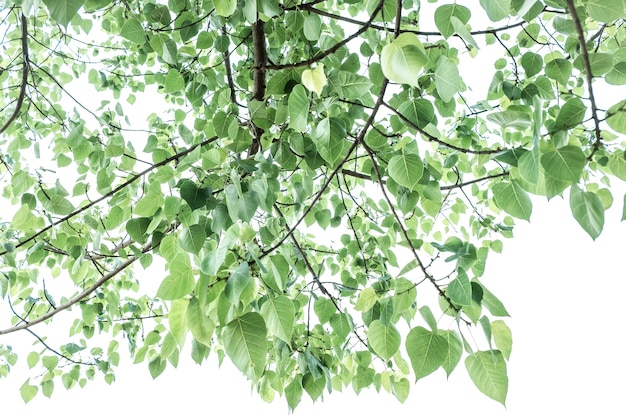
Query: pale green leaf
(427, 351)
(63, 11)
(605, 10)
(200, 325)
(279, 315)
(299, 109)
(496, 9)
(384, 339)
(314, 80)
(443, 16)
(503, 337)
(454, 350)
(245, 342)
(225, 8)
(447, 79)
(403, 59)
(406, 170)
(131, 30)
(588, 211)
(512, 198)
(192, 238)
(28, 391)
(488, 372)
(564, 164)
(180, 281)
(366, 299)
(177, 320)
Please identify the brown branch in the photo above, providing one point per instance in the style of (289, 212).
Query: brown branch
(74, 300)
(463, 184)
(588, 75)
(229, 73)
(25, 66)
(147, 247)
(113, 192)
(309, 7)
(335, 48)
(258, 75)
(432, 138)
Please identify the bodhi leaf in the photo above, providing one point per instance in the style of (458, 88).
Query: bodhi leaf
(246, 344)
(403, 59)
(447, 79)
(315, 79)
(384, 339)
(588, 211)
(406, 169)
(427, 351)
(564, 164)
(443, 16)
(512, 198)
(488, 372)
(278, 313)
(63, 11)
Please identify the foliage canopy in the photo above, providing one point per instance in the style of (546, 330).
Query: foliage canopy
(310, 189)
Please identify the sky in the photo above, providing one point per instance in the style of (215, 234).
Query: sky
(564, 293)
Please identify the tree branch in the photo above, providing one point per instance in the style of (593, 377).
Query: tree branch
(588, 75)
(431, 138)
(113, 192)
(335, 48)
(147, 247)
(25, 67)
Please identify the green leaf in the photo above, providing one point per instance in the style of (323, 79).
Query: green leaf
(366, 299)
(605, 10)
(174, 82)
(564, 164)
(617, 76)
(532, 63)
(406, 170)
(299, 109)
(239, 284)
(488, 372)
(157, 366)
(403, 59)
(28, 391)
(225, 8)
(493, 304)
(454, 351)
(419, 112)
(460, 290)
(511, 118)
(496, 9)
(427, 351)
(341, 325)
(588, 211)
(315, 79)
(279, 314)
(571, 115)
(447, 79)
(384, 339)
(131, 30)
(616, 117)
(200, 325)
(194, 196)
(512, 198)
(177, 320)
(312, 27)
(180, 281)
(324, 309)
(502, 337)
(192, 238)
(245, 342)
(55, 203)
(444, 13)
(63, 11)
(559, 69)
(352, 86)
(293, 392)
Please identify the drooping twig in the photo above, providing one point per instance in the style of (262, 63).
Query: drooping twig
(114, 191)
(25, 68)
